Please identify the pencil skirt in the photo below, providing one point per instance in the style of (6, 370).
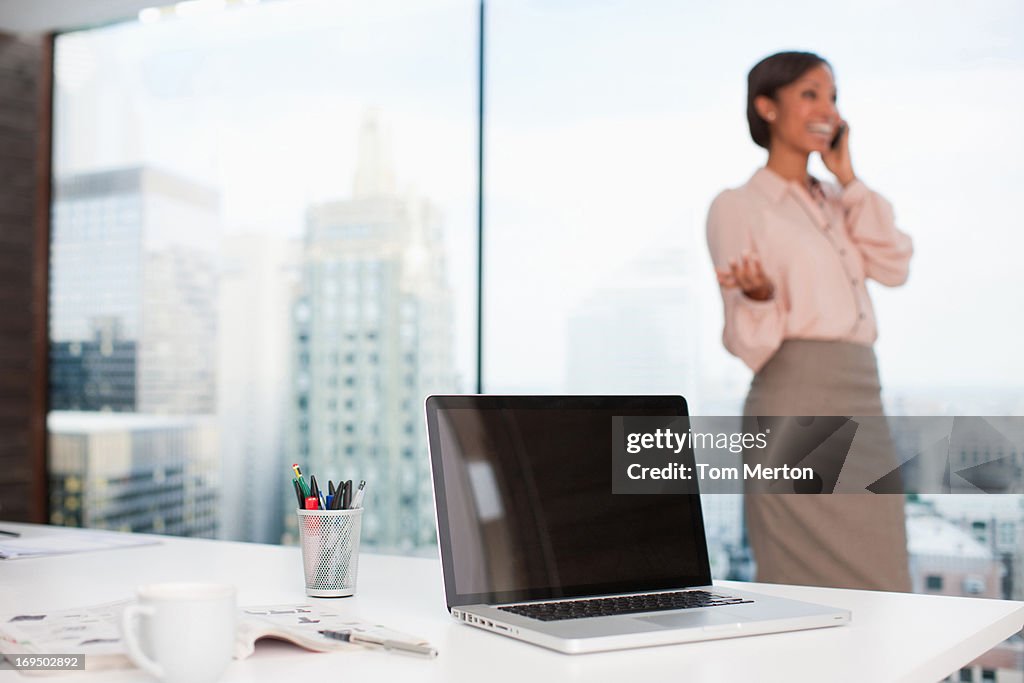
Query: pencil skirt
(836, 540)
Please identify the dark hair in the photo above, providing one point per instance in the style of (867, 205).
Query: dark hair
(767, 76)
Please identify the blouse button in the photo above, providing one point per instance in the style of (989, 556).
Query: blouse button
(842, 252)
(853, 281)
(861, 316)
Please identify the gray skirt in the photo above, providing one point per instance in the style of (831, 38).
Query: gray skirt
(837, 540)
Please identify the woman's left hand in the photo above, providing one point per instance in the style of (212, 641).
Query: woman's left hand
(837, 160)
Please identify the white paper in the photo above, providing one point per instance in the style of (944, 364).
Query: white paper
(79, 541)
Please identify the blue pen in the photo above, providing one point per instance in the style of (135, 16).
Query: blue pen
(330, 502)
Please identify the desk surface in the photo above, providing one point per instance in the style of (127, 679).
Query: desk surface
(893, 637)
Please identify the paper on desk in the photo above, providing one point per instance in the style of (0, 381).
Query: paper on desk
(91, 631)
(95, 631)
(79, 541)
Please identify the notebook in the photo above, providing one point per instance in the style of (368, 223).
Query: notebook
(535, 546)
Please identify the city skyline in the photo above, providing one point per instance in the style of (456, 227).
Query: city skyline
(662, 156)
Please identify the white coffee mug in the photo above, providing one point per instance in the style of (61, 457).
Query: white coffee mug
(182, 632)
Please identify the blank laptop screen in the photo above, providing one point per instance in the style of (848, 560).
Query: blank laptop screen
(523, 487)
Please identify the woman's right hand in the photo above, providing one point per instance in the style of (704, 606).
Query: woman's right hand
(747, 274)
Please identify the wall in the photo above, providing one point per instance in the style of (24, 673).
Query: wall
(25, 63)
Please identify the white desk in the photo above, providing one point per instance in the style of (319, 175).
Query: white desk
(894, 637)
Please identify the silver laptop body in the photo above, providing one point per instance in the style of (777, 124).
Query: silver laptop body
(528, 527)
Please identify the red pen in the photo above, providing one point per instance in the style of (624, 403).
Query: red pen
(312, 503)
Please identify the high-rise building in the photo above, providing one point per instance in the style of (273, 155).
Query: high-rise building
(148, 473)
(95, 374)
(373, 329)
(257, 290)
(133, 297)
(132, 260)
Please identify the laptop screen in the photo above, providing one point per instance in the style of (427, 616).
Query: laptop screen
(523, 488)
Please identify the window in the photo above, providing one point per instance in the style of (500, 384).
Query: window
(1007, 534)
(610, 136)
(974, 585)
(224, 161)
(219, 180)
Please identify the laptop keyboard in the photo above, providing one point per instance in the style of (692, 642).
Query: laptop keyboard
(628, 604)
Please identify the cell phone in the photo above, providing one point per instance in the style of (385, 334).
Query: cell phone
(839, 134)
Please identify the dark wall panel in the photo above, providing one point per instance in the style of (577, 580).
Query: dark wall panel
(24, 227)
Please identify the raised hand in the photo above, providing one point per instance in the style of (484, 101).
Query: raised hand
(747, 274)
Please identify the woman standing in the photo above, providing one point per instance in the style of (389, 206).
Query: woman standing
(792, 255)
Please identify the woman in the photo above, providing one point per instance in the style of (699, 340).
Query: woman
(792, 255)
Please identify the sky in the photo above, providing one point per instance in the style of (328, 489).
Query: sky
(615, 129)
(610, 126)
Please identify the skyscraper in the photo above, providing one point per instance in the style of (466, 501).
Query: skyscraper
(132, 260)
(147, 473)
(94, 374)
(133, 330)
(373, 328)
(257, 290)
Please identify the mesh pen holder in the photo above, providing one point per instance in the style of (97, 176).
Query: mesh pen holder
(330, 551)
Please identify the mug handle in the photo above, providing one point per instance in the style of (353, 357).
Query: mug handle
(129, 620)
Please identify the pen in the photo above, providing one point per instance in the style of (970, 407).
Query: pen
(302, 482)
(314, 491)
(346, 495)
(5, 532)
(298, 492)
(357, 502)
(330, 487)
(312, 503)
(398, 645)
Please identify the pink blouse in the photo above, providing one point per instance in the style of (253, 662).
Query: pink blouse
(816, 250)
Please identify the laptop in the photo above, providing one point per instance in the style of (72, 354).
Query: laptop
(535, 546)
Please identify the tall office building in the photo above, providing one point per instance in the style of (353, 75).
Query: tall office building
(148, 473)
(94, 374)
(133, 330)
(373, 329)
(132, 260)
(257, 289)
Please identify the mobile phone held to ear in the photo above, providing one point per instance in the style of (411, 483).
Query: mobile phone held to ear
(839, 136)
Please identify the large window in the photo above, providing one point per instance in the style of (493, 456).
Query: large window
(265, 241)
(612, 125)
(264, 252)
(609, 137)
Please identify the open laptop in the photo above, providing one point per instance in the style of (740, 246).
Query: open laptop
(535, 546)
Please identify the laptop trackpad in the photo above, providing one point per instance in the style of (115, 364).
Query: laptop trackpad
(701, 618)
